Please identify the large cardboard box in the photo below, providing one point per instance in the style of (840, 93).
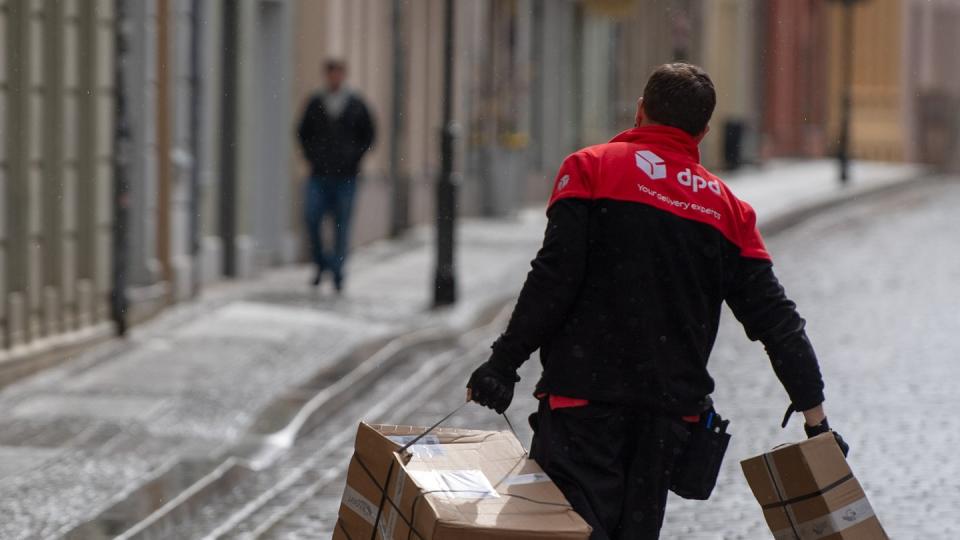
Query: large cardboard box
(808, 492)
(453, 484)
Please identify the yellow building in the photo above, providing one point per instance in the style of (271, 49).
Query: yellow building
(878, 113)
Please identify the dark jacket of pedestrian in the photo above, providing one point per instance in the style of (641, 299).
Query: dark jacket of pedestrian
(332, 145)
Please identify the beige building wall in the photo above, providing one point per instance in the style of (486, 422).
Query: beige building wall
(361, 32)
(23, 137)
(56, 113)
(730, 55)
(211, 99)
(423, 27)
(4, 171)
(670, 31)
(931, 81)
(533, 79)
(263, 122)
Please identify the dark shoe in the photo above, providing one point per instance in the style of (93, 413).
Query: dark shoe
(338, 284)
(317, 278)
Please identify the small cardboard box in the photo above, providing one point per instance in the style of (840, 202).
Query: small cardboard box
(453, 483)
(808, 492)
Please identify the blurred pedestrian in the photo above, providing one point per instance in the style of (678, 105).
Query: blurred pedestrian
(335, 132)
(642, 247)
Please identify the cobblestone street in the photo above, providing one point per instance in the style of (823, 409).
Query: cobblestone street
(884, 328)
(232, 232)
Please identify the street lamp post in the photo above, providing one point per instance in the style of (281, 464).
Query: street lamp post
(445, 291)
(846, 101)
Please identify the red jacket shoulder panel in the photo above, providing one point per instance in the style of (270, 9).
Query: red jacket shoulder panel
(575, 178)
(667, 176)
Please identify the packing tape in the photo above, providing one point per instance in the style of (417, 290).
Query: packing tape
(778, 486)
(426, 447)
(395, 513)
(455, 484)
(832, 523)
(529, 478)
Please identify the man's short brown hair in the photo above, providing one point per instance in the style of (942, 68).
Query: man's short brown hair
(680, 95)
(334, 64)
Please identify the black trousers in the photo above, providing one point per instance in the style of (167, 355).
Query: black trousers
(613, 464)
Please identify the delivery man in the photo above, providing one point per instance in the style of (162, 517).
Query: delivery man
(643, 245)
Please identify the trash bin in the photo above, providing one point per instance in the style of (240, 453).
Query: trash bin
(504, 177)
(733, 131)
(938, 128)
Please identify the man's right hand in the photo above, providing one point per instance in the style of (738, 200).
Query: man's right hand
(492, 386)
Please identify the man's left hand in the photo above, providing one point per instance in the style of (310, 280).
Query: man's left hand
(492, 386)
(824, 427)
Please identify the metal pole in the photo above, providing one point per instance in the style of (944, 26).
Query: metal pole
(196, 29)
(444, 283)
(121, 187)
(166, 18)
(228, 139)
(400, 202)
(843, 152)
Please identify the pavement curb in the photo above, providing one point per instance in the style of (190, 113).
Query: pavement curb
(781, 221)
(367, 361)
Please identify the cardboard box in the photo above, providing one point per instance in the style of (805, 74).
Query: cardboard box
(808, 492)
(454, 483)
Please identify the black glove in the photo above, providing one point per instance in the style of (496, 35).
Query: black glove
(492, 386)
(824, 427)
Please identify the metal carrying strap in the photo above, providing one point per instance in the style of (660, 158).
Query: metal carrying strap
(427, 431)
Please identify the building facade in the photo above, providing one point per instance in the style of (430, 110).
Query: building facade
(931, 82)
(205, 88)
(56, 113)
(904, 89)
(212, 91)
(534, 80)
(209, 110)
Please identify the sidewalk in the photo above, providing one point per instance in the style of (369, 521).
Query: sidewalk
(191, 383)
(785, 191)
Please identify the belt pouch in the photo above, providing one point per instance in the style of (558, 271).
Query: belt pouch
(695, 472)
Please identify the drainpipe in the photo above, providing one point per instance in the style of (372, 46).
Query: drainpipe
(400, 202)
(121, 156)
(228, 139)
(196, 32)
(445, 289)
(165, 172)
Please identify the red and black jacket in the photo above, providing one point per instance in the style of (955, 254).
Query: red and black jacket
(642, 247)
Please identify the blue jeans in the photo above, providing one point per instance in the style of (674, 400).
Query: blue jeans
(329, 194)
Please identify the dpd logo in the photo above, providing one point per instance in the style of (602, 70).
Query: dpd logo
(697, 183)
(651, 164)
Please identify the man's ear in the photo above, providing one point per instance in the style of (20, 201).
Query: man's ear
(702, 134)
(638, 119)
